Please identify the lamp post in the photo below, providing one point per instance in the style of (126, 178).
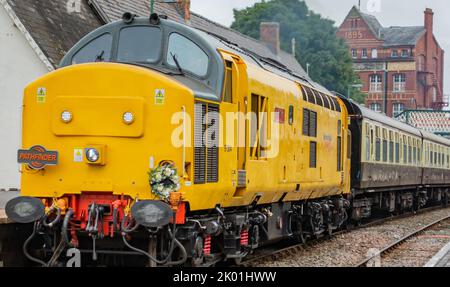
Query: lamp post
(356, 86)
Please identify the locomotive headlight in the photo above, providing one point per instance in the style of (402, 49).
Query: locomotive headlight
(128, 118)
(66, 117)
(92, 155)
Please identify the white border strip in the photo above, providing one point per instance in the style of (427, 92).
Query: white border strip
(438, 257)
(27, 35)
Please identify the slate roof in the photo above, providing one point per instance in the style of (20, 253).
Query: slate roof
(56, 30)
(392, 36)
(114, 9)
(402, 36)
(52, 26)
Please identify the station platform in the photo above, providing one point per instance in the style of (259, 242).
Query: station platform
(441, 259)
(5, 196)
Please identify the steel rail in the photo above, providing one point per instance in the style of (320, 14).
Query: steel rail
(397, 243)
(264, 253)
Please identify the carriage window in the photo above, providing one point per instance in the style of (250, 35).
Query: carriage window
(140, 44)
(377, 144)
(98, 50)
(190, 57)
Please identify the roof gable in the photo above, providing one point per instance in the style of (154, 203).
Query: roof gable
(392, 36)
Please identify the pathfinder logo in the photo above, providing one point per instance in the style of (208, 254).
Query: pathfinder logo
(37, 157)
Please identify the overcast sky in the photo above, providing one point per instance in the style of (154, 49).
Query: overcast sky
(388, 12)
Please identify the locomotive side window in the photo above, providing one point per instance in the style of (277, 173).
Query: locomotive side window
(140, 44)
(189, 56)
(98, 50)
(228, 90)
(259, 127)
(291, 115)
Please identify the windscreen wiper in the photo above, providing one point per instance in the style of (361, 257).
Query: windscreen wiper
(99, 57)
(174, 57)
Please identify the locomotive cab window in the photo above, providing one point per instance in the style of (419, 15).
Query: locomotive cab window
(139, 44)
(98, 50)
(187, 55)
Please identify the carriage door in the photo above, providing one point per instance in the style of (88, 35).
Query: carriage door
(235, 98)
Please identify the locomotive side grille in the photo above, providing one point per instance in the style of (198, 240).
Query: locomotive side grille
(206, 140)
(199, 144)
(313, 155)
(312, 124)
(213, 144)
(305, 122)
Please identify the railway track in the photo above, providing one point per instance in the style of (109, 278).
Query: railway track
(376, 257)
(284, 248)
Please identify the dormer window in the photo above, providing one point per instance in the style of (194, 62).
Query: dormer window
(405, 53)
(394, 54)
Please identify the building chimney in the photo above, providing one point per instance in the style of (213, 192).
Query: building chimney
(183, 8)
(429, 37)
(270, 35)
(429, 20)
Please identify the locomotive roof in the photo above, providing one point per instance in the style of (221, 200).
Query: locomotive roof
(211, 86)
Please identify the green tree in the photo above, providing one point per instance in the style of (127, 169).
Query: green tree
(317, 43)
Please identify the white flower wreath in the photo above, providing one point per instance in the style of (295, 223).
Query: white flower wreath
(164, 180)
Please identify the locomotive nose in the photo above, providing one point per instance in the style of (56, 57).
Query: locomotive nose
(109, 124)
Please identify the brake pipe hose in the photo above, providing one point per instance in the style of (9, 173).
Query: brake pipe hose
(65, 227)
(25, 246)
(174, 242)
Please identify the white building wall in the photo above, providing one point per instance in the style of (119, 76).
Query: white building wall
(19, 66)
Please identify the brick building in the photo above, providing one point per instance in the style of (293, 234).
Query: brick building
(404, 63)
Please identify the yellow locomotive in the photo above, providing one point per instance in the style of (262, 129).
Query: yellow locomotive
(159, 140)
